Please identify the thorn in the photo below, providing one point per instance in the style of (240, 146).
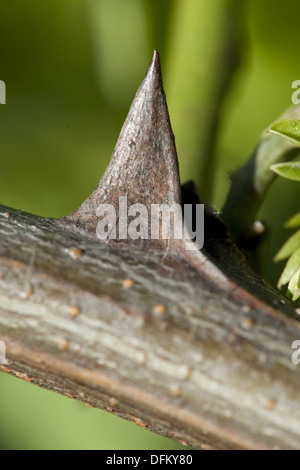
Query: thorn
(144, 164)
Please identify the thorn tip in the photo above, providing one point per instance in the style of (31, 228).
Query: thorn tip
(144, 163)
(153, 75)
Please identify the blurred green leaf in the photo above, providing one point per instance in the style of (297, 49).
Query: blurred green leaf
(293, 221)
(294, 285)
(291, 267)
(289, 170)
(288, 128)
(289, 247)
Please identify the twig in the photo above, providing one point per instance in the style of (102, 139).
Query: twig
(251, 182)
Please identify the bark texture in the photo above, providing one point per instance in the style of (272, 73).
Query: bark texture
(173, 343)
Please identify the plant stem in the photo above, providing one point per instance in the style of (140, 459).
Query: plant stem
(202, 56)
(251, 182)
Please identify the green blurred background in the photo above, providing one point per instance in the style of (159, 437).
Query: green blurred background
(71, 69)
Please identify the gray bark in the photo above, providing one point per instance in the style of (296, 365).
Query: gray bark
(193, 351)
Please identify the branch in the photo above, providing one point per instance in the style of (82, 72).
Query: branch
(190, 344)
(180, 348)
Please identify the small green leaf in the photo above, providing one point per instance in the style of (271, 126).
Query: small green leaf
(289, 247)
(291, 267)
(293, 221)
(288, 128)
(289, 170)
(294, 285)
